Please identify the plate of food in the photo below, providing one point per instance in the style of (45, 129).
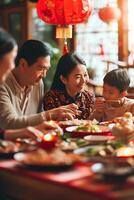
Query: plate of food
(96, 151)
(125, 152)
(88, 129)
(74, 122)
(9, 148)
(41, 159)
(71, 144)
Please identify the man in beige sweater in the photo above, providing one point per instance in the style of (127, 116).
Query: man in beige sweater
(22, 93)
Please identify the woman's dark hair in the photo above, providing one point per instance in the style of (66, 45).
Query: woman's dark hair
(118, 78)
(31, 50)
(65, 66)
(7, 42)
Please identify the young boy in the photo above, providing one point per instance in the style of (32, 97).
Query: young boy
(114, 102)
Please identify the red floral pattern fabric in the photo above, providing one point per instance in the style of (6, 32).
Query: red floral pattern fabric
(84, 100)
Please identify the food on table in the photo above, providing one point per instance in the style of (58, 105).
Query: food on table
(89, 127)
(40, 157)
(76, 122)
(128, 117)
(8, 146)
(92, 128)
(70, 144)
(65, 145)
(124, 128)
(125, 152)
(107, 150)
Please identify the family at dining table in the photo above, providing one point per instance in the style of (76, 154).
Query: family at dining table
(22, 92)
(23, 102)
(8, 52)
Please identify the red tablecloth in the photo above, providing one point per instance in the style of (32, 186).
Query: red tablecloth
(79, 178)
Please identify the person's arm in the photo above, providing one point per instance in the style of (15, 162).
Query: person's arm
(9, 117)
(30, 132)
(62, 113)
(98, 110)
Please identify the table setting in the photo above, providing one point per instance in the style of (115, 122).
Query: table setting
(58, 157)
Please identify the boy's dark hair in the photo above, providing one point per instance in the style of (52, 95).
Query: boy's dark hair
(66, 64)
(7, 42)
(118, 78)
(31, 50)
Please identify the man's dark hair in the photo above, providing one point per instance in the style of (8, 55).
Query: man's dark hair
(31, 50)
(118, 78)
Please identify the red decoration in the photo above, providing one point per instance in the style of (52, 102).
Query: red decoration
(65, 48)
(64, 12)
(48, 141)
(101, 53)
(109, 14)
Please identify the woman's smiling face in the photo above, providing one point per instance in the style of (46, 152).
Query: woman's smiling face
(76, 80)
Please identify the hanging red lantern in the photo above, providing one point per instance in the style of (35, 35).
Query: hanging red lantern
(64, 13)
(109, 14)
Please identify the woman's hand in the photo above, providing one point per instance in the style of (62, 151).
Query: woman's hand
(67, 112)
(50, 125)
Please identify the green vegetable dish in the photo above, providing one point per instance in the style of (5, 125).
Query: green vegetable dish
(90, 128)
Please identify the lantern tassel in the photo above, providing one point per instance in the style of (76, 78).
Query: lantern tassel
(65, 47)
(64, 31)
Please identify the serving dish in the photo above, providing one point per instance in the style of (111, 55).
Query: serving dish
(41, 159)
(81, 131)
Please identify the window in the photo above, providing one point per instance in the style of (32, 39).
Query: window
(130, 49)
(96, 37)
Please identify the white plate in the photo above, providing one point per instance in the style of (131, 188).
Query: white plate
(98, 138)
(71, 128)
(82, 150)
(110, 126)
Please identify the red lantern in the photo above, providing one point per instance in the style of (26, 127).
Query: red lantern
(64, 13)
(109, 14)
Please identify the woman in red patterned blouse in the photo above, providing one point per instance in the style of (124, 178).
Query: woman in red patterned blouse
(70, 86)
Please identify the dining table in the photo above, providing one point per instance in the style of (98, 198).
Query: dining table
(19, 182)
(30, 174)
